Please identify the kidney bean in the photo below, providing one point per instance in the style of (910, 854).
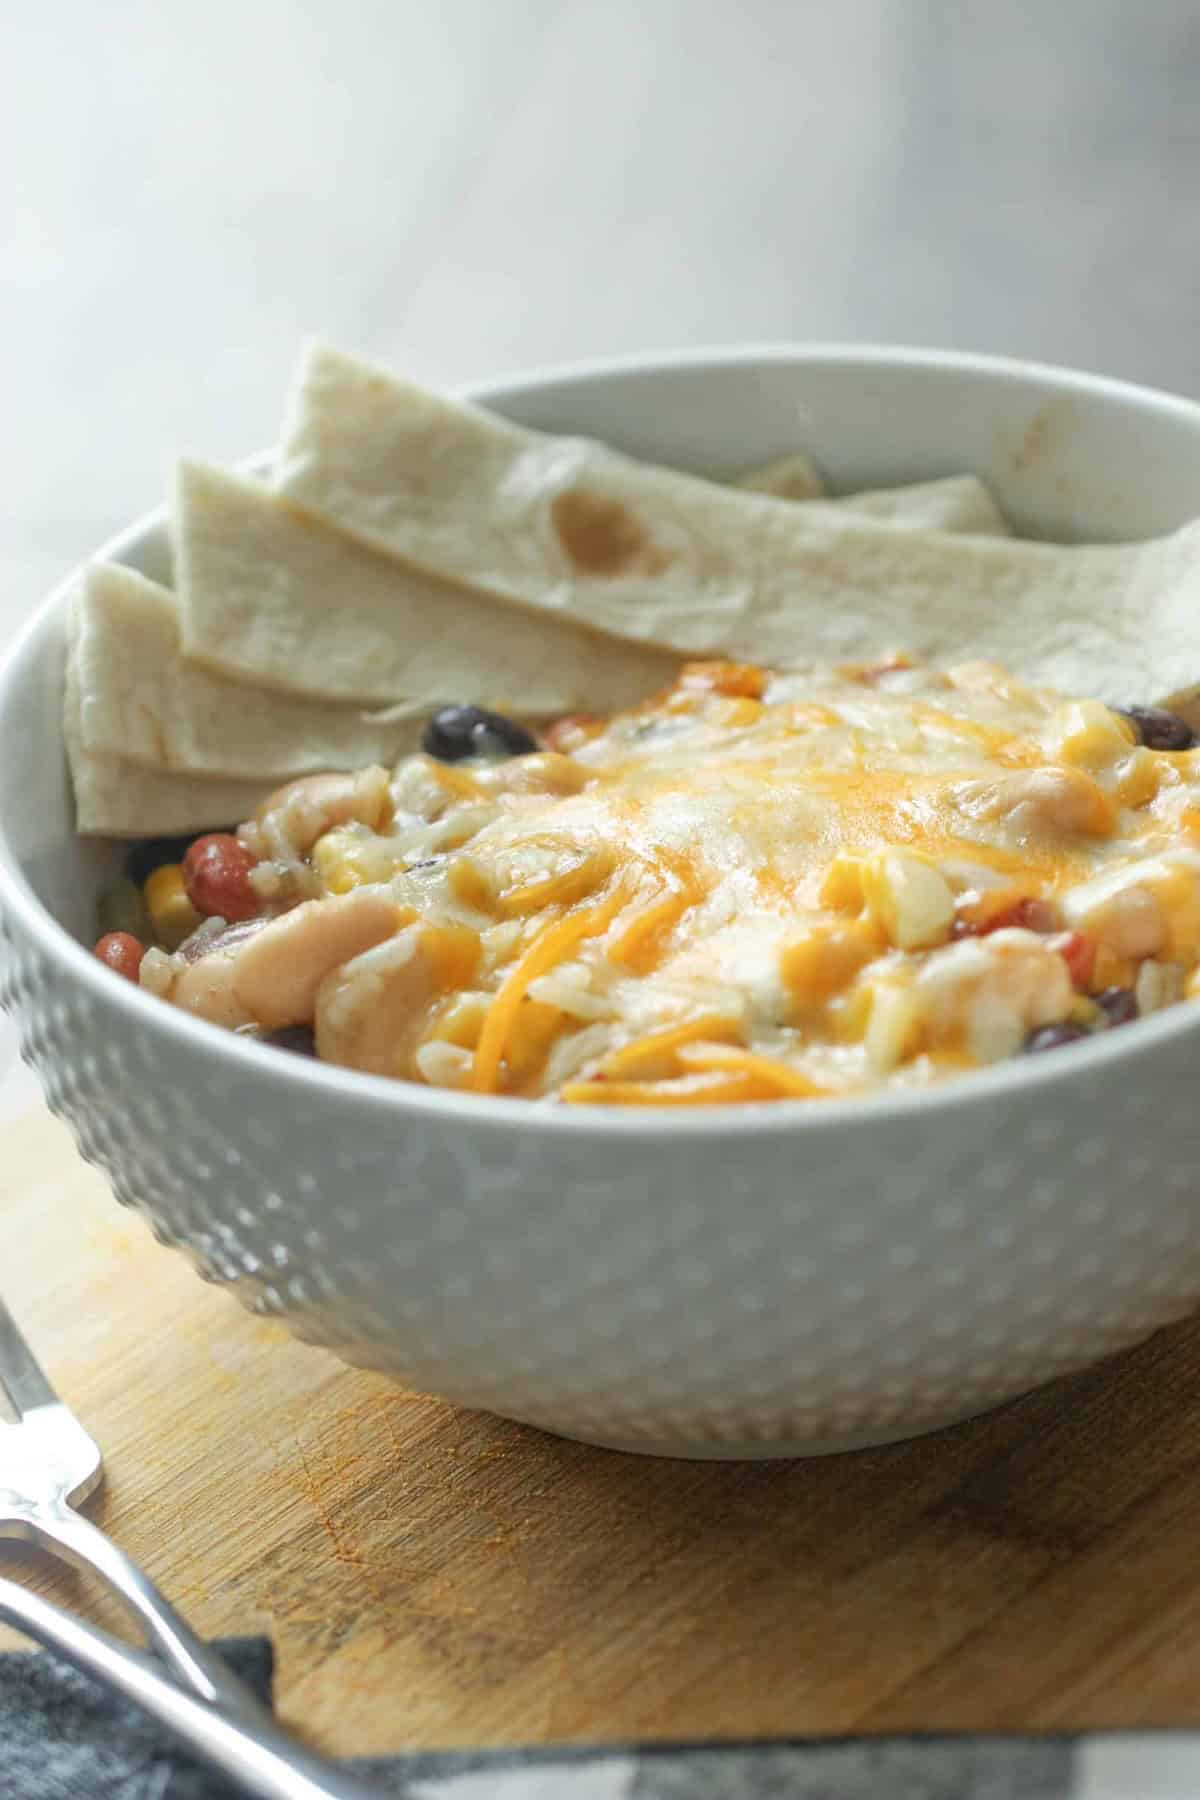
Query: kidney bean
(122, 952)
(216, 870)
(1078, 951)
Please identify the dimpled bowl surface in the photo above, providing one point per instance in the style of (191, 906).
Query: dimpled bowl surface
(766, 1281)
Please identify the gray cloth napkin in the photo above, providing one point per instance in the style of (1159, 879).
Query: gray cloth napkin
(64, 1738)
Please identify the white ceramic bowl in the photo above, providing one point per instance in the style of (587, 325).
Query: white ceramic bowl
(760, 1281)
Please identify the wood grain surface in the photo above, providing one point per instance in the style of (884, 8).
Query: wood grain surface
(433, 1577)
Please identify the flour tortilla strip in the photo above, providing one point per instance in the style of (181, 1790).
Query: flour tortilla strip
(951, 503)
(121, 799)
(794, 477)
(271, 596)
(568, 526)
(141, 701)
(114, 798)
(956, 503)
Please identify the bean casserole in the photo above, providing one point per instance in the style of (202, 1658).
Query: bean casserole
(754, 886)
(690, 833)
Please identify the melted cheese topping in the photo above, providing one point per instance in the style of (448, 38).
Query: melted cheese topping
(765, 886)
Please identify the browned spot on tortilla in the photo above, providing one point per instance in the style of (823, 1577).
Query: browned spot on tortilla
(602, 537)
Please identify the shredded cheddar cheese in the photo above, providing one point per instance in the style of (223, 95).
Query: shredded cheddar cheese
(762, 886)
(732, 1059)
(658, 1053)
(550, 945)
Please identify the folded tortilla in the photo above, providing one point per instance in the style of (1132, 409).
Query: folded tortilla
(951, 503)
(271, 596)
(565, 526)
(115, 798)
(958, 503)
(141, 701)
(794, 477)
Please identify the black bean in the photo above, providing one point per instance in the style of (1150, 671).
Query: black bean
(458, 733)
(1049, 1037)
(152, 853)
(1120, 1003)
(1159, 729)
(296, 1038)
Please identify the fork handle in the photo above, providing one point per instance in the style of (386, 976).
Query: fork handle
(259, 1757)
(70, 1535)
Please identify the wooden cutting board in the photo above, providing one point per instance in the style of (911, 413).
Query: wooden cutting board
(433, 1577)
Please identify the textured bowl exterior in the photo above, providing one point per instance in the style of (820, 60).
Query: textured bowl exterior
(778, 1281)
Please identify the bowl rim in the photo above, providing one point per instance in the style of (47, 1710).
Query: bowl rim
(830, 352)
(501, 1113)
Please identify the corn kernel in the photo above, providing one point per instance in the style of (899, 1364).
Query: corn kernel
(842, 887)
(337, 858)
(910, 899)
(741, 711)
(850, 1013)
(453, 952)
(469, 885)
(172, 914)
(820, 965)
(460, 1020)
(1139, 778)
(1179, 896)
(894, 1027)
(1090, 734)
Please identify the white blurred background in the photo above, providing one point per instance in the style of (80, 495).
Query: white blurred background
(469, 186)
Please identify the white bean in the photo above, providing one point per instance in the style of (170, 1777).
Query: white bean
(206, 988)
(278, 971)
(370, 1012)
(1042, 801)
(1121, 910)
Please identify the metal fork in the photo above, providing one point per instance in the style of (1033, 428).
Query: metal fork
(49, 1465)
